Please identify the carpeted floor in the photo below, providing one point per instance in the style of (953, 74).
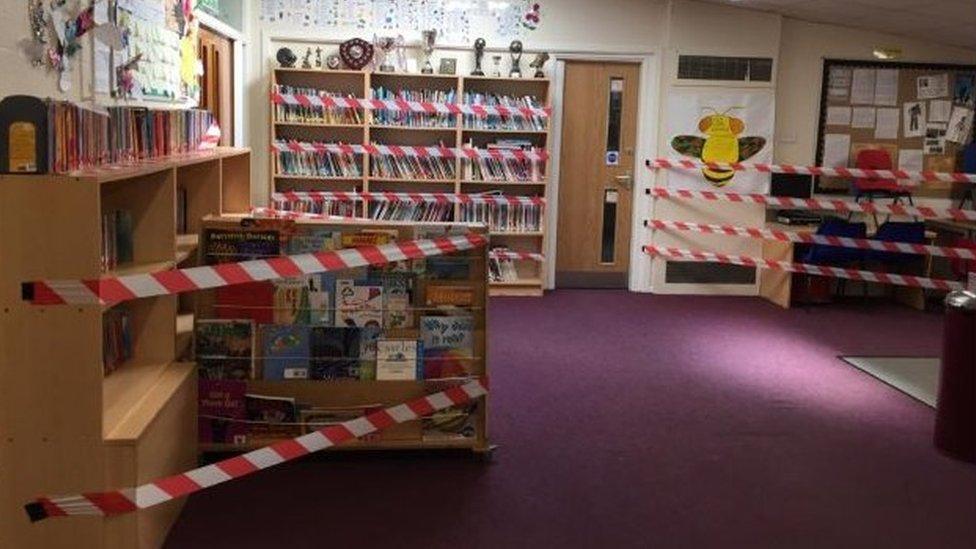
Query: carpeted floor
(644, 421)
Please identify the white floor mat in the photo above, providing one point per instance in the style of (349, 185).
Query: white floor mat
(916, 377)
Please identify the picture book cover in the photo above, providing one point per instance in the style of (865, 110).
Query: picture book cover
(397, 294)
(271, 418)
(252, 300)
(448, 345)
(290, 301)
(285, 351)
(358, 305)
(314, 239)
(399, 359)
(335, 352)
(224, 245)
(368, 337)
(456, 422)
(220, 402)
(368, 237)
(449, 295)
(224, 349)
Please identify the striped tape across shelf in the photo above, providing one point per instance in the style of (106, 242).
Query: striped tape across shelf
(540, 155)
(127, 500)
(516, 255)
(327, 102)
(818, 204)
(850, 173)
(811, 238)
(678, 254)
(390, 196)
(111, 290)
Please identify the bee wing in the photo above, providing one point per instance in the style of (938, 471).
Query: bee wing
(688, 145)
(749, 146)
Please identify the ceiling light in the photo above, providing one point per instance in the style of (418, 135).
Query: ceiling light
(887, 54)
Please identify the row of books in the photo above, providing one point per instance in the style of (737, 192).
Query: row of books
(116, 339)
(509, 169)
(502, 270)
(117, 239)
(318, 164)
(343, 208)
(504, 217)
(410, 118)
(229, 414)
(496, 122)
(411, 167)
(314, 114)
(411, 211)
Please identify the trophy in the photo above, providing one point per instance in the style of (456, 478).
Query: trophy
(384, 44)
(515, 49)
(401, 53)
(497, 71)
(479, 52)
(427, 38)
(307, 61)
(538, 62)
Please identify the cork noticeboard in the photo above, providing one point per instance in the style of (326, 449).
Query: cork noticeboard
(921, 114)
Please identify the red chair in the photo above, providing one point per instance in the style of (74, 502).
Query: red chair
(864, 187)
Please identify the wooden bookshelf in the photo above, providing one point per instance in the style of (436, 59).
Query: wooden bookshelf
(348, 392)
(360, 84)
(67, 427)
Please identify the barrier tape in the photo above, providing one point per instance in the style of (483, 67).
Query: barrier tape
(851, 173)
(811, 238)
(818, 204)
(210, 139)
(390, 196)
(820, 270)
(516, 255)
(127, 500)
(273, 213)
(410, 150)
(327, 102)
(112, 290)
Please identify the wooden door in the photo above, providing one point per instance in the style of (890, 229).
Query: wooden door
(217, 82)
(596, 174)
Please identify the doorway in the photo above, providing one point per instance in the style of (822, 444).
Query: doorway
(217, 81)
(597, 163)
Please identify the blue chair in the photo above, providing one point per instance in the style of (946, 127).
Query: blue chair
(896, 231)
(821, 254)
(969, 166)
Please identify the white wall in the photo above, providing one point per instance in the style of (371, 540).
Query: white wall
(802, 51)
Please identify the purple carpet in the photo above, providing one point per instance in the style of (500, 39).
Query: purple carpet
(630, 420)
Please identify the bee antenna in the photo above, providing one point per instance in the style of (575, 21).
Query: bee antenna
(730, 109)
(707, 109)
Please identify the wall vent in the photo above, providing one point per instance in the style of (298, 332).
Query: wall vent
(741, 69)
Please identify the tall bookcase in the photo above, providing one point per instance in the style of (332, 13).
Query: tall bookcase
(65, 426)
(360, 84)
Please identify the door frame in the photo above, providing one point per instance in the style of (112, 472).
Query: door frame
(639, 268)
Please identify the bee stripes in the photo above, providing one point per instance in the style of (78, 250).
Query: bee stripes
(678, 254)
(127, 500)
(112, 290)
(817, 204)
(811, 238)
(849, 173)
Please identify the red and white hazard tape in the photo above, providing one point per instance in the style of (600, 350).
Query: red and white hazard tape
(818, 204)
(811, 238)
(272, 213)
(410, 150)
(389, 196)
(127, 500)
(210, 139)
(327, 102)
(111, 290)
(516, 255)
(820, 270)
(687, 164)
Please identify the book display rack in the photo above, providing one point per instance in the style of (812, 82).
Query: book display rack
(277, 359)
(95, 396)
(516, 228)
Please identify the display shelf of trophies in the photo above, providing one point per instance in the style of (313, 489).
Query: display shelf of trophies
(279, 358)
(512, 228)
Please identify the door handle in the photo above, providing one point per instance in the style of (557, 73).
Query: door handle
(625, 181)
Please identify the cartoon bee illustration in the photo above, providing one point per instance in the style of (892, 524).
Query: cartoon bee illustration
(720, 144)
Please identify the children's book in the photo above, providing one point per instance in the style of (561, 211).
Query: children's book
(285, 351)
(224, 349)
(271, 418)
(358, 305)
(222, 246)
(291, 301)
(399, 359)
(448, 345)
(252, 300)
(313, 240)
(335, 352)
(220, 403)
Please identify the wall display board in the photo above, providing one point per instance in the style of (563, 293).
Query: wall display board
(921, 114)
(452, 20)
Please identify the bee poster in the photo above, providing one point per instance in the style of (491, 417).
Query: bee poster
(720, 126)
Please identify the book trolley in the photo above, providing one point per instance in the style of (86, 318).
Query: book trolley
(280, 358)
(377, 172)
(70, 420)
